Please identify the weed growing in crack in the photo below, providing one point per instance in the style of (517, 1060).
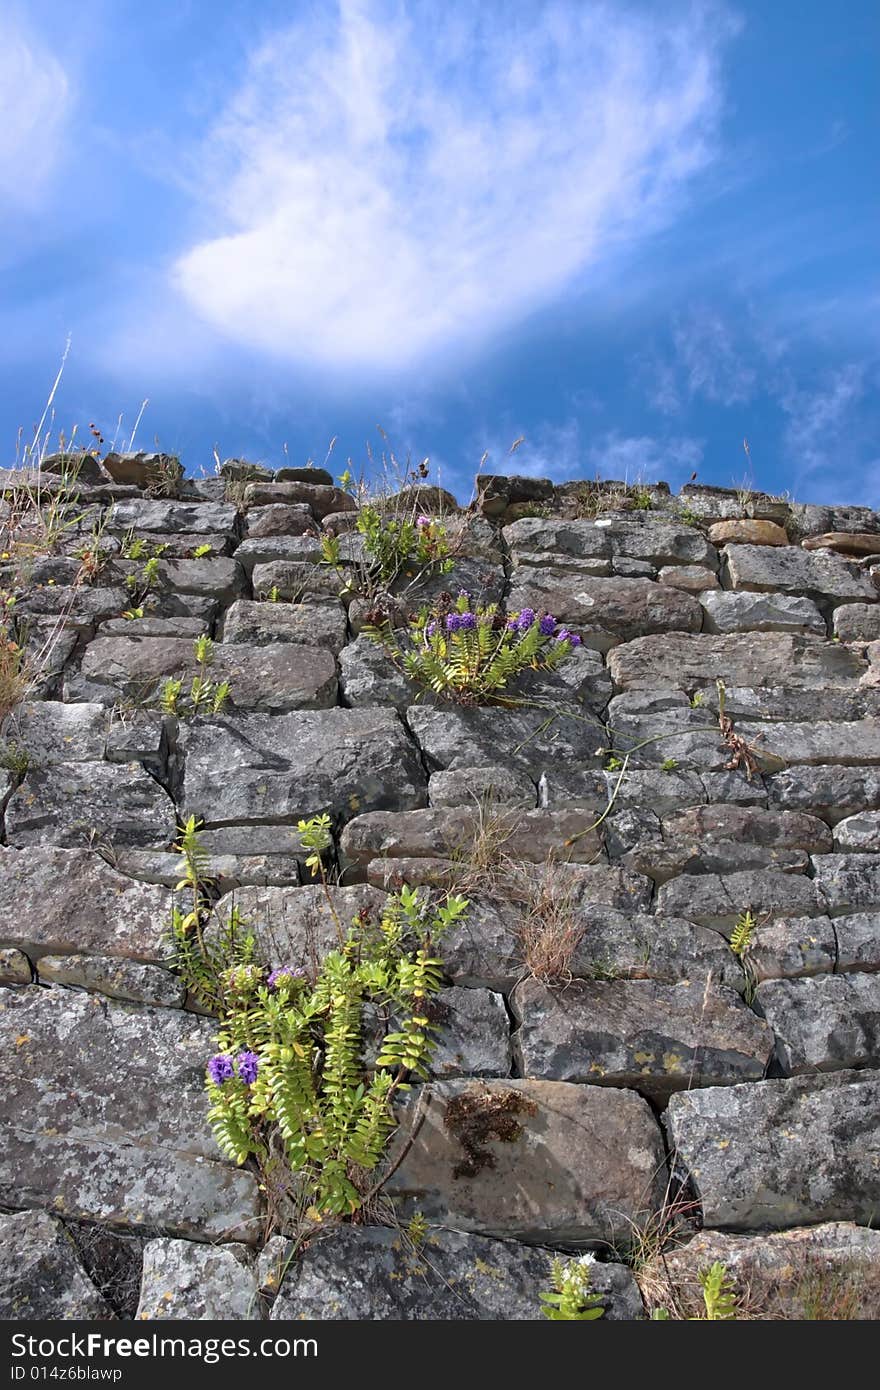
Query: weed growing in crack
(570, 1298)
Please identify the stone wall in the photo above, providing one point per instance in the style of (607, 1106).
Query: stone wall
(560, 1116)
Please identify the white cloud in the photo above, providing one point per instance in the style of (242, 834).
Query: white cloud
(644, 458)
(397, 180)
(821, 434)
(34, 104)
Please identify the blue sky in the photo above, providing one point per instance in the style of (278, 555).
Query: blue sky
(635, 234)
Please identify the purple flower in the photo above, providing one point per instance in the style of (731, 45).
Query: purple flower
(468, 620)
(431, 629)
(463, 593)
(548, 625)
(248, 1066)
(574, 639)
(513, 624)
(220, 1068)
(423, 521)
(526, 618)
(284, 972)
(453, 622)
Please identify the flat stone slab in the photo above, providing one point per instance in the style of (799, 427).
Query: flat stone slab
(41, 1276)
(291, 766)
(606, 611)
(70, 901)
(830, 792)
(728, 611)
(793, 946)
(825, 1023)
(306, 624)
(48, 732)
(848, 882)
(119, 979)
(827, 1272)
(743, 659)
(528, 836)
(528, 739)
(717, 900)
(775, 1154)
(172, 516)
(471, 1034)
(537, 1161)
(822, 742)
(193, 1282)
(373, 1273)
(74, 805)
(15, 968)
(860, 832)
(281, 677)
(858, 941)
(535, 540)
(857, 622)
(470, 786)
(103, 1116)
(747, 533)
(654, 1038)
(790, 570)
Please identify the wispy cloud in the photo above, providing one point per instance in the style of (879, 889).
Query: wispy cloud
(398, 180)
(644, 458)
(822, 433)
(35, 100)
(709, 358)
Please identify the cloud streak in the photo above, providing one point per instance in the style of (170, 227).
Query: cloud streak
(393, 182)
(35, 99)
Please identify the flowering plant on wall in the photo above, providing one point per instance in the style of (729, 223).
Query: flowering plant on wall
(468, 652)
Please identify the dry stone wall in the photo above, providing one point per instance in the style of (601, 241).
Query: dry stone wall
(560, 1115)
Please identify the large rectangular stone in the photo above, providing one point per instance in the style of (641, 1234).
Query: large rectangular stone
(718, 900)
(847, 744)
(790, 570)
(775, 1154)
(284, 767)
(691, 660)
(606, 611)
(824, 1022)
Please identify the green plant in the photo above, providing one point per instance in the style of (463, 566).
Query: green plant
(669, 765)
(201, 551)
(688, 517)
(288, 1069)
(642, 499)
(131, 613)
(696, 699)
(204, 694)
(164, 476)
(14, 672)
(613, 764)
(570, 1298)
(470, 655)
(14, 758)
(274, 594)
(718, 1293)
(742, 936)
(395, 548)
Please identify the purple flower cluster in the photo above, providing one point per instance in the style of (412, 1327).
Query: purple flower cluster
(248, 1066)
(563, 635)
(285, 972)
(547, 626)
(221, 1068)
(423, 521)
(525, 619)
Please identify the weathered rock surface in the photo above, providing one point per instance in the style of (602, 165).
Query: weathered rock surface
(539, 1161)
(170, 517)
(655, 1038)
(66, 901)
(281, 677)
(90, 804)
(860, 833)
(192, 1282)
(795, 571)
(827, 1272)
(858, 941)
(607, 611)
(847, 542)
(374, 1273)
(103, 1117)
(717, 900)
(320, 498)
(857, 622)
(451, 831)
(774, 1154)
(15, 968)
(753, 659)
(826, 1023)
(792, 946)
(47, 732)
(536, 542)
(469, 786)
(833, 793)
(849, 883)
(120, 979)
(308, 625)
(727, 611)
(744, 532)
(290, 766)
(451, 738)
(41, 1276)
(294, 926)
